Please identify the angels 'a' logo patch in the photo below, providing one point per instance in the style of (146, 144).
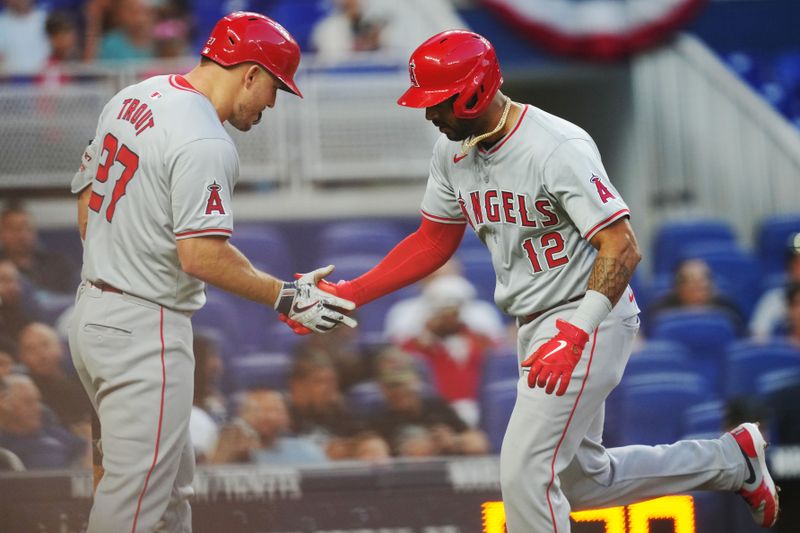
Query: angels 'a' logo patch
(214, 203)
(412, 73)
(602, 191)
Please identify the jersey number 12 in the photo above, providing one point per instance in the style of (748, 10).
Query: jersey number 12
(130, 162)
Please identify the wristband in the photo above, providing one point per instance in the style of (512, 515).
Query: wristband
(283, 304)
(593, 309)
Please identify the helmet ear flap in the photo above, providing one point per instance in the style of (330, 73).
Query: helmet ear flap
(478, 92)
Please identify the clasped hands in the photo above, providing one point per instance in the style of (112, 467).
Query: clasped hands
(305, 304)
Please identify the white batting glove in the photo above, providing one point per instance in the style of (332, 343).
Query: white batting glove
(318, 310)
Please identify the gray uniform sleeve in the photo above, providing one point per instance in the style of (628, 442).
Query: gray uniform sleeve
(440, 203)
(203, 174)
(86, 172)
(575, 176)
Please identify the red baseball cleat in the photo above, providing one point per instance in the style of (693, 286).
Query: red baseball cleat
(758, 490)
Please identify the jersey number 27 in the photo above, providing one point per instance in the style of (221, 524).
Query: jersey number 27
(113, 154)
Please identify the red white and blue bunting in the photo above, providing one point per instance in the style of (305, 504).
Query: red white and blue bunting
(596, 29)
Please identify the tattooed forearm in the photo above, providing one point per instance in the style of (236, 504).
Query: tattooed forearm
(610, 276)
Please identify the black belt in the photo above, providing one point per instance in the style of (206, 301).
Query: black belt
(522, 320)
(105, 287)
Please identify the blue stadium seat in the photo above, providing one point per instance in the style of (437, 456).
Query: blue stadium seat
(706, 333)
(747, 360)
(772, 239)
(63, 241)
(366, 397)
(478, 269)
(496, 406)
(52, 305)
(360, 237)
(499, 367)
(641, 289)
(736, 272)
(747, 65)
(704, 420)
(659, 356)
(221, 317)
(299, 17)
(261, 370)
(644, 397)
(773, 382)
(266, 247)
(674, 236)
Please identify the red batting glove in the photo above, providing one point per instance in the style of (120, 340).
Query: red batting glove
(342, 289)
(556, 359)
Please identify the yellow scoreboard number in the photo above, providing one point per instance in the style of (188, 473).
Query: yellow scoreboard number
(678, 509)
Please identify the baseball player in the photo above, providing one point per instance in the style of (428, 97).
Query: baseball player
(533, 188)
(155, 212)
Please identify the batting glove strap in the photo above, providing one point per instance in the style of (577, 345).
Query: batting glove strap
(572, 334)
(286, 297)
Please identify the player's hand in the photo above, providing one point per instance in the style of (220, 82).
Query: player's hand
(556, 359)
(326, 286)
(308, 306)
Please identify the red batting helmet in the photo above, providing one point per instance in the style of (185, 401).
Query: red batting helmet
(454, 62)
(241, 37)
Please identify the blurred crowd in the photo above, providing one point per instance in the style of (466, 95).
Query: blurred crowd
(420, 392)
(37, 37)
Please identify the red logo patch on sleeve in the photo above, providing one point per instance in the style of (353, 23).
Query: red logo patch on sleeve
(214, 204)
(602, 190)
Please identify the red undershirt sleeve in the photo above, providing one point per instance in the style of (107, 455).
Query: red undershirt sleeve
(416, 256)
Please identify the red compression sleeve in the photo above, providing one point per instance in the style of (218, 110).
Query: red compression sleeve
(412, 259)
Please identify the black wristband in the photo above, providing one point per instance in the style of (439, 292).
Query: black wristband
(285, 298)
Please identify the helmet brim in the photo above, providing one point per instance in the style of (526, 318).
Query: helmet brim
(290, 86)
(419, 97)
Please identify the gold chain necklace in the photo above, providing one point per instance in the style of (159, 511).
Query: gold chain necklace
(469, 143)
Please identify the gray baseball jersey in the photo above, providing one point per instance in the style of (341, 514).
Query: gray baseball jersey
(162, 168)
(535, 199)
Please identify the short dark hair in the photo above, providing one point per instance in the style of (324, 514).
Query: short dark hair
(792, 292)
(59, 22)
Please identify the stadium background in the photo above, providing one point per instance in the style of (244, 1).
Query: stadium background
(698, 130)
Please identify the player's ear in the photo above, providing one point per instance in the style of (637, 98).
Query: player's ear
(251, 75)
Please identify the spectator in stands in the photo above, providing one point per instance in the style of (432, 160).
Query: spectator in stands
(386, 25)
(453, 351)
(348, 28)
(770, 311)
(171, 38)
(132, 35)
(62, 34)
(342, 349)
(15, 310)
(208, 368)
(793, 313)
(19, 242)
(42, 354)
(406, 319)
(694, 288)
(7, 351)
(369, 446)
(317, 407)
(407, 407)
(33, 436)
(23, 42)
(416, 441)
(259, 434)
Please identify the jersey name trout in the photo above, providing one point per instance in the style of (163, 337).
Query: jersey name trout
(137, 113)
